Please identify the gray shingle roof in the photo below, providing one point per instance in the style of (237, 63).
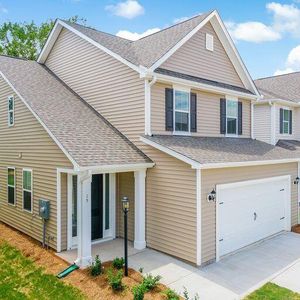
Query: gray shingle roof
(285, 87)
(83, 133)
(145, 51)
(210, 150)
(202, 80)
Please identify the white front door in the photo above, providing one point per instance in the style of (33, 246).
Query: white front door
(250, 211)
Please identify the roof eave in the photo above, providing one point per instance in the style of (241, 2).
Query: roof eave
(277, 101)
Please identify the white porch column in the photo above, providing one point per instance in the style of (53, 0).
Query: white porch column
(84, 235)
(140, 209)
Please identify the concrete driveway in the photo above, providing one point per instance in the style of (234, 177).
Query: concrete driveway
(276, 259)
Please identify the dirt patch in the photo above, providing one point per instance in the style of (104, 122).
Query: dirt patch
(93, 288)
(296, 228)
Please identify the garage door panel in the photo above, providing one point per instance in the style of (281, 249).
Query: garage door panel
(251, 211)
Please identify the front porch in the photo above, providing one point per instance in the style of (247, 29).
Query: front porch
(90, 215)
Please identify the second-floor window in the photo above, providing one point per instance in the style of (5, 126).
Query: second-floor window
(181, 111)
(285, 121)
(11, 110)
(231, 117)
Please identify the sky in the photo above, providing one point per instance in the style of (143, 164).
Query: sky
(266, 33)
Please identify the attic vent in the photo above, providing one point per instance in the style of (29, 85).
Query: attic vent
(209, 42)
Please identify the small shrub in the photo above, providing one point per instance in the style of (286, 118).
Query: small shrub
(139, 291)
(115, 279)
(186, 295)
(96, 268)
(118, 263)
(171, 294)
(150, 282)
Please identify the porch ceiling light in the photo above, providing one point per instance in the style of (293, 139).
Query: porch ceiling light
(125, 204)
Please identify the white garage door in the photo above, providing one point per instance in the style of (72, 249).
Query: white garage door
(250, 211)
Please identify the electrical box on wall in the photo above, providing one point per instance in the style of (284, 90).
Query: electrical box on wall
(44, 209)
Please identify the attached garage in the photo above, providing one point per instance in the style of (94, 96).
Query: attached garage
(249, 211)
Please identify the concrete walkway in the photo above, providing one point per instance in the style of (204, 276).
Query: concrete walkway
(276, 259)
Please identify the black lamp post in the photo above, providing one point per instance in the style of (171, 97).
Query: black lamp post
(125, 206)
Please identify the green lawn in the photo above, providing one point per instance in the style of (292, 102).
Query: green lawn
(20, 279)
(271, 291)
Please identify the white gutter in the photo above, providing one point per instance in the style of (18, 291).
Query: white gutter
(277, 101)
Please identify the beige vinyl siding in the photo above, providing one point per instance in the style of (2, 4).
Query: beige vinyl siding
(262, 123)
(64, 210)
(111, 87)
(125, 187)
(212, 177)
(194, 59)
(171, 206)
(27, 145)
(208, 112)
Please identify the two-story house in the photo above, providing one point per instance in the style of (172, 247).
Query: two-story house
(166, 120)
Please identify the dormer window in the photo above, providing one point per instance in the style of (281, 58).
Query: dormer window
(285, 121)
(209, 42)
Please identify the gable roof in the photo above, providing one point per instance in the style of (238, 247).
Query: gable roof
(151, 51)
(206, 152)
(285, 87)
(83, 135)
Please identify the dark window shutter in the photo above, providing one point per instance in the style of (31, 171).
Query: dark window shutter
(223, 116)
(193, 112)
(240, 118)
(281, 120)
(169, 109)
(291, 122)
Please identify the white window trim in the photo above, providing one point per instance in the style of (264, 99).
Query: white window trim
(235, 99)
(10, 111)
(283, 121)
(8, 185)
(186, 90)
(28, 170)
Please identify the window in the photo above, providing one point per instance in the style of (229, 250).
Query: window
(209, 42)
(286, 121)
(181, 111)
(27, 190)
(11, 186)
(11, 108)
(231, 117)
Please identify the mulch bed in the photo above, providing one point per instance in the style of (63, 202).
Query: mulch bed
(296, 228)
(92, 287)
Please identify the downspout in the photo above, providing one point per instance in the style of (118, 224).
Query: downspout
(148, 86)
(273, 125)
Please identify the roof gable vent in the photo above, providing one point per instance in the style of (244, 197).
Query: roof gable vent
(209, 42)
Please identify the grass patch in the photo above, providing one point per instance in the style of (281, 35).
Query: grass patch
(271, 291)
(20, 279)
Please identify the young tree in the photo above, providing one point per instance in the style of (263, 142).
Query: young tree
(26, 40)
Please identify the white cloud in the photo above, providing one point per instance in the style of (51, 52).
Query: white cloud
(284, 71)
(286, 17)
(128, 9)
(133, 36)
(181, 19)
(255, 32)
(3, 9)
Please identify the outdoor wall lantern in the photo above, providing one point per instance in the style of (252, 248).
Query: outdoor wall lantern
(211, 196)
(296, 181)
(125, 207)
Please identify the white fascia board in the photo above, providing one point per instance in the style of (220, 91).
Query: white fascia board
(180, 43)
(232, 52)
(248, 163)
(194, 164)
(201, 86)
(278, 101)
(115, 168)
(50, 42)
(41, 122)
(52, 39)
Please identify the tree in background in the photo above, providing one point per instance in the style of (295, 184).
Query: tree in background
(25, 40)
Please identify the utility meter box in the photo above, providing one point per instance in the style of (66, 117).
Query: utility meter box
(44, 209)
